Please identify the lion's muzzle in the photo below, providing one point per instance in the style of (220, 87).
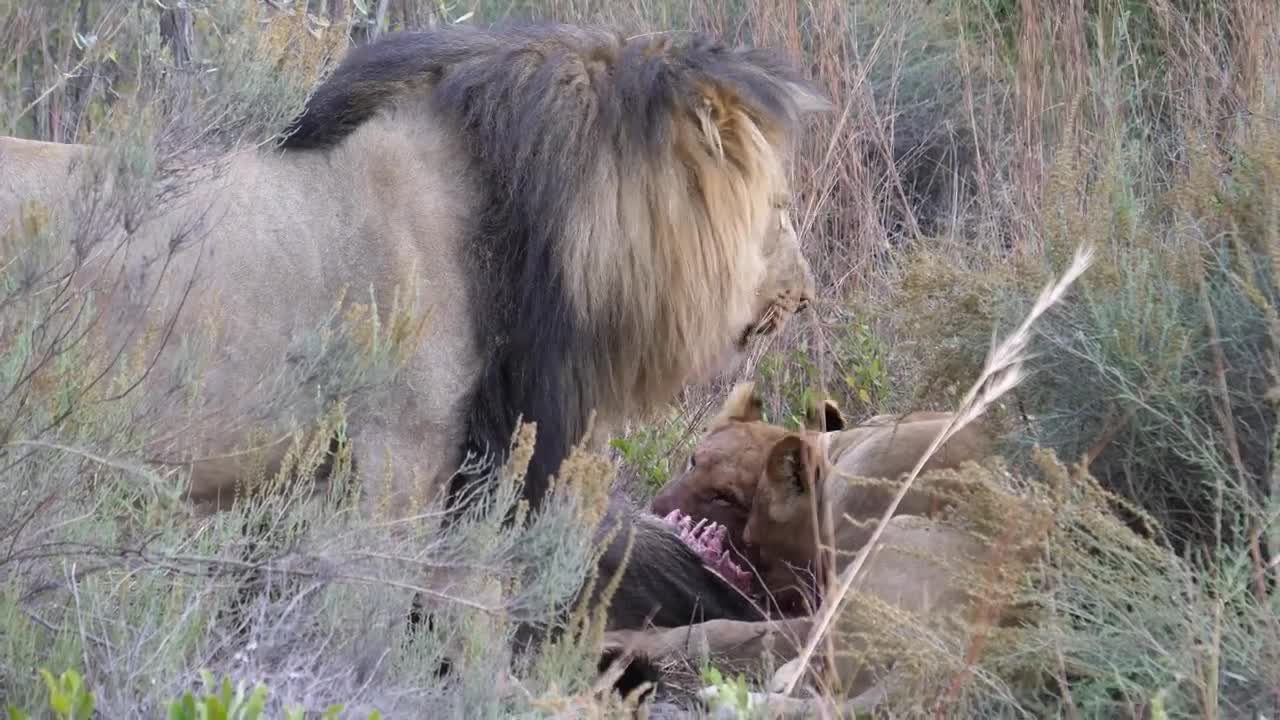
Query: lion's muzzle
(776, 315)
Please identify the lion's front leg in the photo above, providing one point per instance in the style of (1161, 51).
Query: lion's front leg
(402, 468)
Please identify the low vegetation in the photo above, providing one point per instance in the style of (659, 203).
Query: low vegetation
(975, 145)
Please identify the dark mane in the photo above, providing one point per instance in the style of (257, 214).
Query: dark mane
(654, 75)
(537, 105)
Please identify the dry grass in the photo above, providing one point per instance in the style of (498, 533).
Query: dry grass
(974, 146)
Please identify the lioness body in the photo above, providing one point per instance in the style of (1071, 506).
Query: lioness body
(918, 569)
(928, 582)
(835, 486)
(919, 585)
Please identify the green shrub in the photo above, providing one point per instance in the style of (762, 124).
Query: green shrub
(70, 699)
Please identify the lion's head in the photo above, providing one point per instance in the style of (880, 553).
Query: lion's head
(720, 477)
(786, 288)
(683, 237)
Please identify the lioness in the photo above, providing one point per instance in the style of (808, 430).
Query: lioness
(920, 569)
(924, 579)
(720, 476)
(918, 592)
(724, 472)
(836, 485)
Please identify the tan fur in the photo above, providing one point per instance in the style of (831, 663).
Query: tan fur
(721, 480)
(922, 576)
(678, 277)
(920, 594)
(266, 265)
(919, 569)
(848, 479)
(734, 247)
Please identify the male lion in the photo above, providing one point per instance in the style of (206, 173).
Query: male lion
(587, 222)
(921, 584)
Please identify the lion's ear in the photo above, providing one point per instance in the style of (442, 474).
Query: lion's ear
(742, 405)
(826, 418)
(721, 112)
(792, 464)
(833, 418)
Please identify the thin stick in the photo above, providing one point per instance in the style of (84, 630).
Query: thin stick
(1002, 372)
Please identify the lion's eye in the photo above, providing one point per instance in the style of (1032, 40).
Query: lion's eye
(693, 462)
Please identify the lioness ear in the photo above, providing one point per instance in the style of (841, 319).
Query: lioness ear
(790, 464)
(828, 418)
(832, 416)
(742, 405)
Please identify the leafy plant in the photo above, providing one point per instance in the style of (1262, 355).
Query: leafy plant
(858, 360)
(860, 357)
(220, 702)
(648, 451)
(69, 697)
(731, 694)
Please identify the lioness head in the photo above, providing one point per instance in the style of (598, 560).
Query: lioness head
(782, 526)
(720, 478)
